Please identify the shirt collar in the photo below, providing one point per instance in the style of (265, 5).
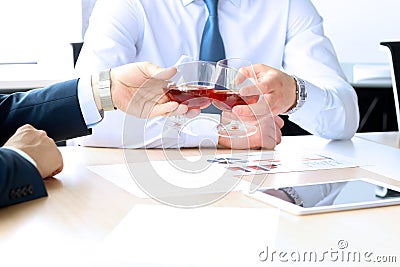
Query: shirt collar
(234, 2)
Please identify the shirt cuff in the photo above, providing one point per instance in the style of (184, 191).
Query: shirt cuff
(89, 110)
(306, 116)
(315, 101)
(22, 154)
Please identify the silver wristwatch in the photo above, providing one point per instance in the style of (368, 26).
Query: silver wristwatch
(104, 88)
(293, 195)
(301, 94)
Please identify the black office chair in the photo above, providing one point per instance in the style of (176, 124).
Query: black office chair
(394, 48)
(290, 128)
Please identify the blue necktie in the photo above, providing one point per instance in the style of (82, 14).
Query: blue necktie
(212, 47)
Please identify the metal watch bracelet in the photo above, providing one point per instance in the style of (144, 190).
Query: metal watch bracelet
(104, 88)
(301, 95)
(293, 195)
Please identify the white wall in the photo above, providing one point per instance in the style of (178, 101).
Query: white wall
(41, 19)
(29, 26)
(357, 26)
(38, 31)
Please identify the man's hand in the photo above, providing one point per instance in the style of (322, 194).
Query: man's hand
(39, 147)
(278, 91)
(268, 133)
(137, 89)
(277, 87)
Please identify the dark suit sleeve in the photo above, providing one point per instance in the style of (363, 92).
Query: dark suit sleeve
(54, 109)
(19, 179)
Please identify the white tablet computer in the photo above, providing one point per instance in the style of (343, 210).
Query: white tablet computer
(331, 196)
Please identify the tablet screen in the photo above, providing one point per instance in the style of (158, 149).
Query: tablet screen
(330, 194)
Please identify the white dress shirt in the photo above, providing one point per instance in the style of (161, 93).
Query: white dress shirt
(285, 34)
